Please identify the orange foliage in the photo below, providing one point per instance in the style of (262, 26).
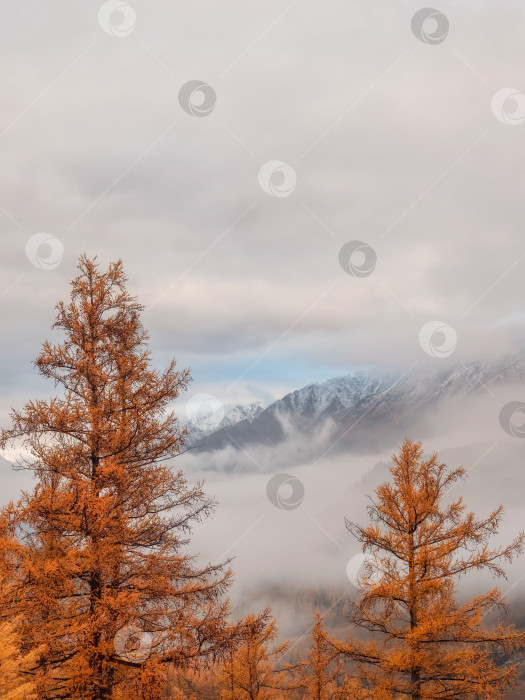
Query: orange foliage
(249, 671)
(15, 683)
(320, 673)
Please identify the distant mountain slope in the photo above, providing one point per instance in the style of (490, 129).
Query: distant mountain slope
(221, 418)
(363, 409)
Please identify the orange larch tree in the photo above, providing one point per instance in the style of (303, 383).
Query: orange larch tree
(426, 644)
(15, 665)
(17, 658)
(104, 580)
(249, 671)
(321, 673)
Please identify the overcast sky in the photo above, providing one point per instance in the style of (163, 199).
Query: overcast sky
(387, 139)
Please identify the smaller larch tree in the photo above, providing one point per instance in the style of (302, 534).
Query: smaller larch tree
(249, 672)
(426, 644)
(15, 679)
(17, 662)
(321, 674)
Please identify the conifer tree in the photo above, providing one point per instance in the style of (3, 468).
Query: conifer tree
(15, 665)
(426, 644)
(18, 658)
(321, 671)
(249, 671)
(104, 580)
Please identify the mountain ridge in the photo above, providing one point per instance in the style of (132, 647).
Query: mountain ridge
(384, 403)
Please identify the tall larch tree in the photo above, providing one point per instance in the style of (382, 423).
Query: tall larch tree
(424, 643)
(104, 579)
